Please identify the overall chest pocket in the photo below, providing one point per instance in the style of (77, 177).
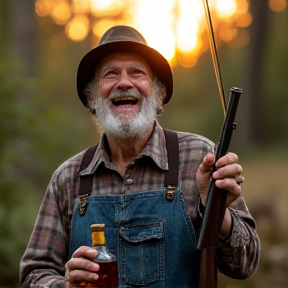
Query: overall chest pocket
(142, 253)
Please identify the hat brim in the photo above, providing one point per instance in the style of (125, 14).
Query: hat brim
(89, 62)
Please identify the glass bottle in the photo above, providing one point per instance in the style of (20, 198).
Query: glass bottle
(108, 273)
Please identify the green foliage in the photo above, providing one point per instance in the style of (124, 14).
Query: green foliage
(13, 119)
(9, 118)
(275, 86)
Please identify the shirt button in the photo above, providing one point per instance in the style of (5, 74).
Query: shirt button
(131, 166)
(128, 181)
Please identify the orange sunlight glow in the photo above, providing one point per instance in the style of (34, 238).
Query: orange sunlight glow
(226, 9)
(100, 8)
(155, 21)
(176, 28)
(77, 29)
(277, 5)
(61, 13)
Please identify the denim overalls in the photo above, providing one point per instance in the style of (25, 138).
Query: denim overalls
(150, 232)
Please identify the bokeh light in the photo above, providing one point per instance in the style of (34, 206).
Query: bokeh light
(61, 13)
(277, 5)
(77, 29)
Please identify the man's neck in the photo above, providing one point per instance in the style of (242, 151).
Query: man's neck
(123, 151)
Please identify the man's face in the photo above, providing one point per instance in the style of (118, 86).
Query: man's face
(124, 72)
(126, 99)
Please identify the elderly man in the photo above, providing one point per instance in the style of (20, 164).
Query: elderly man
(123, 182)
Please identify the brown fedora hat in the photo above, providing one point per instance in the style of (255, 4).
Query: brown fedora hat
(123, 39)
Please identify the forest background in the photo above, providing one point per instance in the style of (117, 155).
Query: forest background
(42, 123)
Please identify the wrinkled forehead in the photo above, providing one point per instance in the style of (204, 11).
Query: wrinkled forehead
(126, 60)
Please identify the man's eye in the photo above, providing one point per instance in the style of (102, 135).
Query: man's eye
(138, 72)
(110, 74)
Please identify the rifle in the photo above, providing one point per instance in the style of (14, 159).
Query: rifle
(215, 206)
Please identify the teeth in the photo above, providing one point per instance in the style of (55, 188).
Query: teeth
(129, 98)
(125, 100)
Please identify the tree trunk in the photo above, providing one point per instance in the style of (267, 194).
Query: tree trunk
(251, 108)
(23, 47)
(23, 34)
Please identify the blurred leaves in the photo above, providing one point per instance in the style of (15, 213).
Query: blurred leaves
(11, 114)
(13, 120)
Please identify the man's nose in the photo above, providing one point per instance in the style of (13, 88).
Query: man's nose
(124, 82)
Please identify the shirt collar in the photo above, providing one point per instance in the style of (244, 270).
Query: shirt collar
(155, 149)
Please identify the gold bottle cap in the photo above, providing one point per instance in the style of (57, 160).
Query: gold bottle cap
(97, 227)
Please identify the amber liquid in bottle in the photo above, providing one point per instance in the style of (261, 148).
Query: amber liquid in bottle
(108, 273)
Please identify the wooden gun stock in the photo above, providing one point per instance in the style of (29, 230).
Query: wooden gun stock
(215, 206)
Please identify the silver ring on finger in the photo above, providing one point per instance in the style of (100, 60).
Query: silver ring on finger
(239, 179)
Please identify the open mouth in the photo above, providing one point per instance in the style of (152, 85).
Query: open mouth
(125, 100)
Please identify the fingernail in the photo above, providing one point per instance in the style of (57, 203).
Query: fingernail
(215, 175)
(94, 276)
(92, 251)
(93, 267)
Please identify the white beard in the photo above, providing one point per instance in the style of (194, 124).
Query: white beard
(127, 125)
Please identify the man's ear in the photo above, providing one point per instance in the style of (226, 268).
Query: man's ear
(91, 103)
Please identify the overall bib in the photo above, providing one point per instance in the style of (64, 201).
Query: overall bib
(150, 232)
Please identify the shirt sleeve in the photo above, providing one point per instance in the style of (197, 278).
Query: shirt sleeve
(43, 263)
(238, 256)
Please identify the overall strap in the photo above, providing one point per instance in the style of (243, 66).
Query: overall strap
(172, 145)
(85, 180)
(171, 175)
